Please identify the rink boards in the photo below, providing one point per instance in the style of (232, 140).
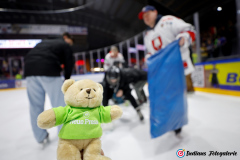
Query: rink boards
(221, 74)
(7, 84)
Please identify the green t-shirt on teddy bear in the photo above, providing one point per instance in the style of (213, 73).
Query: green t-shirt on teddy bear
(81, 123)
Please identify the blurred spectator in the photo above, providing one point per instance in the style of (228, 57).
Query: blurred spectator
(218, 40)
(19, 74)
(214, 80)
(5, 69)
(5, 65)
(204, 52)
(42, 71)
(113, 58)
(14, 71)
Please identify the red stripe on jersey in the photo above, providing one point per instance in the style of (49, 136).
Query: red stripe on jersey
(192, 35)
(167, 19)
(185, 65)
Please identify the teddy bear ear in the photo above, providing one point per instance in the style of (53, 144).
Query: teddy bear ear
(100, 86)
(67, 84)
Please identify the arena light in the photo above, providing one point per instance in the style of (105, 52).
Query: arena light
(98, 60)
(140, 47)
(47, 11)
(18, 43)
(80, 62)
(97, 69)
(132, 50)
(219, 8)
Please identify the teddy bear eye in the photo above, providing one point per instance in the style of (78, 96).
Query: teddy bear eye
(94, 90)
(81, 89)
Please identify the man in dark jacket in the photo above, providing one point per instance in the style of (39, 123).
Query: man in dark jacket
(118, 80)
(43, 75)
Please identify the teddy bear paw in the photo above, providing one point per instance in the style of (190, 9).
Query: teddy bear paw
(116, 112)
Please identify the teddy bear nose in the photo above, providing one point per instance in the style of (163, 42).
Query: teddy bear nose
(88, 91)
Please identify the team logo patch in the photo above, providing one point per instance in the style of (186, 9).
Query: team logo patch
(157, 43)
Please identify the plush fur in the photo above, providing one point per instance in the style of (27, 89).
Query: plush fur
(75, 94)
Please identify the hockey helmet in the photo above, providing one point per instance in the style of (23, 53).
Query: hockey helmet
(113, 75)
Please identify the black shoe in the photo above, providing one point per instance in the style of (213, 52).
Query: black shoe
(178, 131)
(140, 115)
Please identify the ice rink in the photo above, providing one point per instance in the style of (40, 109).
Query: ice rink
(214, 125)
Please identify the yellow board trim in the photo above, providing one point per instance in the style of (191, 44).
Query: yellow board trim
(11, 89)
(218, 91)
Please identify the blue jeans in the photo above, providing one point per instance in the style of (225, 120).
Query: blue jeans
(37, 87)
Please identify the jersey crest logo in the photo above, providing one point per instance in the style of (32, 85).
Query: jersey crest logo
(157, 43)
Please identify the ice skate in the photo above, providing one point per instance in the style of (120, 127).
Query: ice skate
(140, 115)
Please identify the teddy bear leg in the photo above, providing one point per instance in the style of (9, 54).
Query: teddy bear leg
(67, 151)
(93, 151)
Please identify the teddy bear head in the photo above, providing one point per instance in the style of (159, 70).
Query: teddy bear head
(82, 93)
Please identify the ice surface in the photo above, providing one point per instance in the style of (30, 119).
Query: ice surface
(214, 125)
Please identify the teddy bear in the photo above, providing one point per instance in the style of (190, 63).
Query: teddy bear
(81, 118)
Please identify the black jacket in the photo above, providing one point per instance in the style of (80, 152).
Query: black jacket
(127, 76)
(45, 59)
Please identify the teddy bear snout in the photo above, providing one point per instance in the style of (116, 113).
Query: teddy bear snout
(88, 91)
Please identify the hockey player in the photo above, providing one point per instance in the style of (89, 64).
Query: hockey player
(162, 30)
(113, 58)
(118, 80)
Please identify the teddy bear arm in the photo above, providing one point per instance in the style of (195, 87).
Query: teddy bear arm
(46, 119)
(116, 112)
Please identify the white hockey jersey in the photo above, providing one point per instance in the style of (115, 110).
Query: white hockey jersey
(168, 29)
(109, 60)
